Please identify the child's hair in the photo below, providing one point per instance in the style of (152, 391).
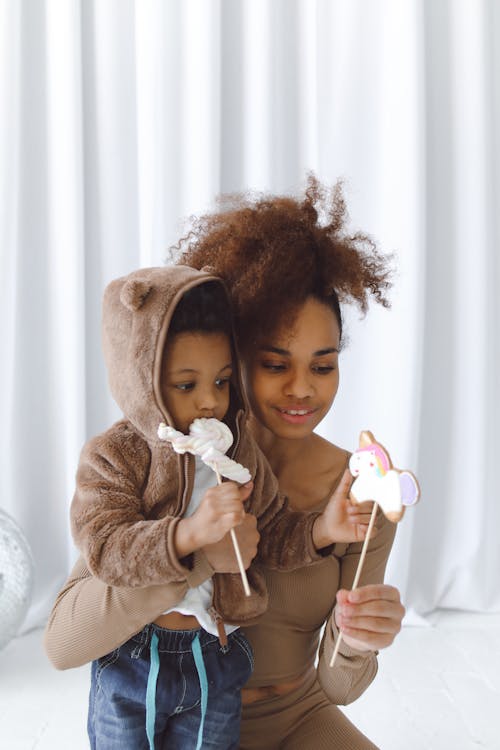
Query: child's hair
(203, 309)
(275, 252)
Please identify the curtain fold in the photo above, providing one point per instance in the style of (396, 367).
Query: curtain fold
(120, 119)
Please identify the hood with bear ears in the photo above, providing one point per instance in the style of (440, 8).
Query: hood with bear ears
(137, 310)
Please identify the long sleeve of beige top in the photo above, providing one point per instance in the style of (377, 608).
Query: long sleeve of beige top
(285, 639)
(354, 670)
(91, 618)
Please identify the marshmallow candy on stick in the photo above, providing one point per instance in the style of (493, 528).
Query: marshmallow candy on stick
(210, 439)
(376, 479)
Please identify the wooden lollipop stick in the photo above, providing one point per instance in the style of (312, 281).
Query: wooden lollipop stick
(358, 573)
(237, 551)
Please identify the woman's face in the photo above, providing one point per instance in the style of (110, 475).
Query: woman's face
(293, 376)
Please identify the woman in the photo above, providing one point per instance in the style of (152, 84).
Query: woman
(286, 273)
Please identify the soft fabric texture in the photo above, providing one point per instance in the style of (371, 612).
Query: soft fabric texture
(132, 488)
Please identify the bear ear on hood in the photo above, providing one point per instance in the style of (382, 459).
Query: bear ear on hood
(209, 269)
(134, 293)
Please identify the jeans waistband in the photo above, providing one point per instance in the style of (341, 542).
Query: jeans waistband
(170, 641)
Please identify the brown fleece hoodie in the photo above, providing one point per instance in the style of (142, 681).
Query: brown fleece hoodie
(132, 488)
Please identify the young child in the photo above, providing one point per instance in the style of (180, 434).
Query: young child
(141, 512)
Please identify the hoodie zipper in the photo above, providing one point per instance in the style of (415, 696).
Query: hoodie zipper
(236, 443)
(188, 475)
(186, 481)
(219, 622)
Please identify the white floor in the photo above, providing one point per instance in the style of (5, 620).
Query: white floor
(438, 688)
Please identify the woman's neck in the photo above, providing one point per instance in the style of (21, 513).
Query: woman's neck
(280, 452)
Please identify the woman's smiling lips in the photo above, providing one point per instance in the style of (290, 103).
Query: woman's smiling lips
(295, 414)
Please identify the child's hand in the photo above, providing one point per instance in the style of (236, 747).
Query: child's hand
(220, 510)
(221, 554)
(342, 520)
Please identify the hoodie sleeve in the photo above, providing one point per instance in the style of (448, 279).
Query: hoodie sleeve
(119, 545)
(286, 541)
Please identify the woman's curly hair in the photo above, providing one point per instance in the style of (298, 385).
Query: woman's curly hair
(275, 251)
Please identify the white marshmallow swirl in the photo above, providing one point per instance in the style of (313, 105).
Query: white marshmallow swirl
(209, 439)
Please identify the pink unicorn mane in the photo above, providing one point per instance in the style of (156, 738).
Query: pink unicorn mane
(382, 459)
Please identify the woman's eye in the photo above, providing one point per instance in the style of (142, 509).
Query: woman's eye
(184, 386)
(222, 382)
(324, 369)
(274, 366)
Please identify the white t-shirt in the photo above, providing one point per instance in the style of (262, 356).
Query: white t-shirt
(198, 600)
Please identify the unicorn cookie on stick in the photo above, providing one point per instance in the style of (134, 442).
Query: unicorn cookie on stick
(376, 479)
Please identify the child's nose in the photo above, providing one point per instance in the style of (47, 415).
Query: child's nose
(207, 399)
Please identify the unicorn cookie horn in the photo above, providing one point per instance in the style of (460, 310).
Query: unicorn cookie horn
(209, 439)
(376, 479)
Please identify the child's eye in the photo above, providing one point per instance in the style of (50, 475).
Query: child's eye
(184, 386)
(222, 382)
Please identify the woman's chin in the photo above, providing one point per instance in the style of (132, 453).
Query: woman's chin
(292, 426)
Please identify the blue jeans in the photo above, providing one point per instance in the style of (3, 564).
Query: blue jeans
(117, 703)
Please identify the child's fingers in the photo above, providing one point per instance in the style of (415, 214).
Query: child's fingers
(245, 490)
(223, 500)
(233, 519)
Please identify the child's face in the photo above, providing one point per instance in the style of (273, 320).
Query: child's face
(196, 370)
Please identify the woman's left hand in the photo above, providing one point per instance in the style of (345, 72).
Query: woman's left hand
(369, 617)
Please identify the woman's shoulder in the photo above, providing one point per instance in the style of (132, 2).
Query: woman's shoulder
(327, 456)
(310, 479)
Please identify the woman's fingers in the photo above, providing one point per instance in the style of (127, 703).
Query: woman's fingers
(364, 508)
(370, 624)
(360, 510)
(367, 639)
(344, 486)
(373, 591)
(370, 615)
(371, 618)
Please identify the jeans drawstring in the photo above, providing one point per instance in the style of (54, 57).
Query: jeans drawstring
(202, 676)
(154, 667)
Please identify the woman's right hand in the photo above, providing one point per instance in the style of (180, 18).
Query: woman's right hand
(221, 555)
(342, 520)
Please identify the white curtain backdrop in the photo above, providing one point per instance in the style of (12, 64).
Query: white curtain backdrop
(119, 119)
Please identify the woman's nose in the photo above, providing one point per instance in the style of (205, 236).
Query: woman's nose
(299, 385)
